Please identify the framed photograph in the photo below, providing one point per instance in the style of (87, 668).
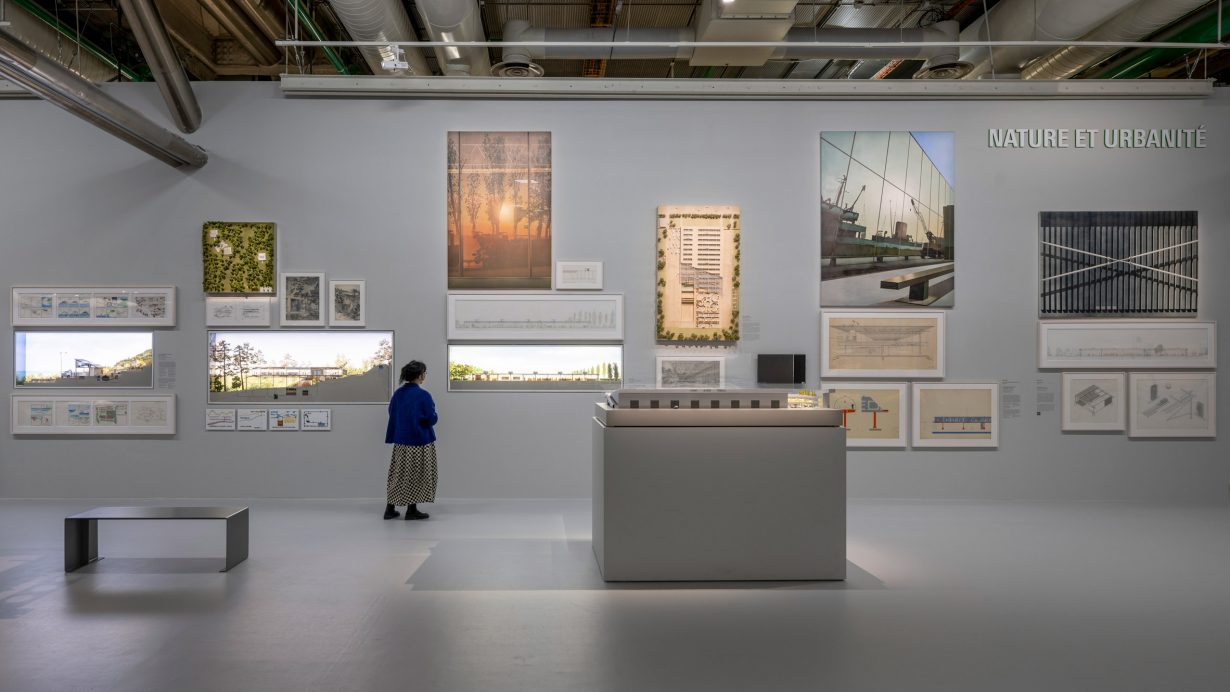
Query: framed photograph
(219, 419)
(93, 415)
(698, 273)
(231, 311)
(534, 368)
(578, 276)
(951, 414)
(93, 306)
(1094, 401)
(316, 419)
(1127, 344)
(239, 258)
(348, 303)
(300, 367)
(536, 317)
(873, 413)
(83, 359)
(1118, 263)
(691, 372)
(251, 419)
(283, 419)
(882, 343)
(301, 296)
(1172, 404)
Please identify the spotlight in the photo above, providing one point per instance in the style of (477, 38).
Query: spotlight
(397, 61)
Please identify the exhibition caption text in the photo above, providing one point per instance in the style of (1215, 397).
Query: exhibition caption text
(1093, 138)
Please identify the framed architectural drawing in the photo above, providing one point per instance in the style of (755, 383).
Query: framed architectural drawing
(302, 296)
(84, 359)
(219, 419)
(90, 306)
(578, 276)
(233, 311)
(873, 413)
(283, 419)
(348, 303)
(536, 317)
(93, 415)
(239, 258)
(499, 210)
(698, 273)
(1125, 344)
(886, 219)
(534, 368)
(251, 419)
(1118, 263)
(948, 414)
(882, 343)
(300, 367)
(1172, 404)
(1094, 401)
(316, 419)
(691, 372)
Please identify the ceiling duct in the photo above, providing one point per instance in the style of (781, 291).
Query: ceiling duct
(456, 20)
(68, 90)
(382, 20)
(151, 34)
(241, 28)
(38, 35)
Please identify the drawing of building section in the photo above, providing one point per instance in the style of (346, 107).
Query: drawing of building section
(1093, 399)
(871, 413)
(698, 273)
(543, 317)
(956, 415)
(1127, 344)
(882, 344)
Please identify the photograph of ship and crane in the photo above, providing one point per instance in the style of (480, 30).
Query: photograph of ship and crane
(886, 219)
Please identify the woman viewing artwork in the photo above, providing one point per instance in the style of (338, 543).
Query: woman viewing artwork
(412, 470)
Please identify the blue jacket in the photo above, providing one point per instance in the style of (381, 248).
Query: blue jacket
(411, 415)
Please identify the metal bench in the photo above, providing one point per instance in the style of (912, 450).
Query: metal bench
(919, 283)
(81, 530)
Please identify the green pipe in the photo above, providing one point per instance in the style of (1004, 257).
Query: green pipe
(1200, 29)
(67, 32)
(319, 35)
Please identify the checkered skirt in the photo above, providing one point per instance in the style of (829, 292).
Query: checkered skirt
(412, 474)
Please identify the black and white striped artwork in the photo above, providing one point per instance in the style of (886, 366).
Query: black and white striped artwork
(1118, 263)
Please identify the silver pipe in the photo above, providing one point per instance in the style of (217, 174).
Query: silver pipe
(456, 20)
(60, 86)
(242, 29)
(151, 34)
(582, 44)
(385, 23)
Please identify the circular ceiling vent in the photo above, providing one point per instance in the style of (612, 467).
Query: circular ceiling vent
(517, 69)
(945, 70)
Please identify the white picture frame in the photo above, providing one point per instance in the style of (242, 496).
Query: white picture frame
(347, 303)
(574, 275)
(238, 311)
(315, 419)
(1127, 344)
(849, 349)
(87, 414)
(219, 419)
(299, 307)
(956, 421)
(1172, 404)
(251, 419)
(535, 317)
(284, 418)
(1094, 402)
(670, 376)
(92, 306)
(858, 411)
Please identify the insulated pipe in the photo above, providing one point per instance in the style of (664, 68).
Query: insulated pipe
(243, 30)
(1202, 27)
(381, 20)
(940, 32)
(62, 87)
(456, 20)
(38, 28)
(151, 34)
(1134, 24)
(520, 30)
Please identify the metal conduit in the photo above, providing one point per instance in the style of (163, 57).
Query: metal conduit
(159, 52)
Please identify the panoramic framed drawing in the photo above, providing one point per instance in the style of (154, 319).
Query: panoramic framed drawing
(251, 419)
(534, 368)
(536, 317)
(92, 415)
(691, 372)
(499, 210)
(1118, 263)
(1172, 404)
(283, 419)
(348, 303)
(887, 214)
(578, 276)
(231, 311)
(1094, 401)
(301, 367)
(82, 306)
(882, 343)
(698, 273)
(873, 413)
(316, 419)
(948, 414)
(239, 258)
(220, 419)
(301, 296)
(1125, 344)
(83, 359)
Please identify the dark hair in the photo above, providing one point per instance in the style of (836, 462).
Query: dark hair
(412, 370)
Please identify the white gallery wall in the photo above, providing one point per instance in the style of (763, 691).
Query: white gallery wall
(357, 189)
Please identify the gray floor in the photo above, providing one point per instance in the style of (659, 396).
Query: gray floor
(505, 595)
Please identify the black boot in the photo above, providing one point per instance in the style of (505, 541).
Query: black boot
(412, 513)
(390, 512)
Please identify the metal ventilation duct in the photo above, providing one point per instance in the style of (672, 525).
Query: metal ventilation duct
(381, 20)
(159, 52)
(34, 33)
(456, 20)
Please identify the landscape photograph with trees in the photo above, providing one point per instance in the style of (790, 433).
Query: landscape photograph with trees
(303, 366)
(505, 368)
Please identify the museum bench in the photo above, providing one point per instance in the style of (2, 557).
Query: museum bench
(919, 283)
(81, 530)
